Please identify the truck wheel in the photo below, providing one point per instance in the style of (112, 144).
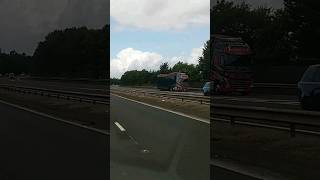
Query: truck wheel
(306, 103)
(244, 93)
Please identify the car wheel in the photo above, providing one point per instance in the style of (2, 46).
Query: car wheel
(305, 103)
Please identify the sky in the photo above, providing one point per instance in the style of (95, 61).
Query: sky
(147, 33)
(24, 23)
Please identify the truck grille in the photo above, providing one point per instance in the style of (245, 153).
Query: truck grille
(239, 85)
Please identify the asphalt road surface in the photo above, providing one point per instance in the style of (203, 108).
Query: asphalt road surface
(148, 143)
(35, 147)
(263, 100)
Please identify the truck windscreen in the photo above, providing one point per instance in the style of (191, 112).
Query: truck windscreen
(234, 60)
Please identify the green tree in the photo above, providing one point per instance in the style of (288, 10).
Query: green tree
(204, 62)
(164, 68)
(74, 52)
(136, 77)
(15, 62)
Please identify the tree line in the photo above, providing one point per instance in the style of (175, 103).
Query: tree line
(14, 62)
(278, 36)
(72, 52)
(144, 77)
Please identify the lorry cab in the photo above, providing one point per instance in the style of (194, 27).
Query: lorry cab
(231, 65)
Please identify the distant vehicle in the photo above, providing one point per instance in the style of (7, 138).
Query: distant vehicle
(231, 65)
(309, 88)
(175, 81)
(206, 89)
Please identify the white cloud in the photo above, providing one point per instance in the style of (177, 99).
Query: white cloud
(131, 59)
(160, 14)
(195, 54)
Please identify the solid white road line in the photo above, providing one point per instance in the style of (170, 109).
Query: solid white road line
(207, 121)
(122, 129)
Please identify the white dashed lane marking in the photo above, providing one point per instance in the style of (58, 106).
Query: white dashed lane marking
(122, 129)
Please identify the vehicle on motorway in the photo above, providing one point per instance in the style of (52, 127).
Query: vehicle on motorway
(175, 81)
(206, 89)
(231, 65)
(309, 88)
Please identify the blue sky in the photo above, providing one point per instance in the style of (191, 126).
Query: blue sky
(155, 32)
(167, 43)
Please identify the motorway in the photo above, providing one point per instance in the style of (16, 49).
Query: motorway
(156, 144)
(262, 100)
(37, 147)
(147, 142)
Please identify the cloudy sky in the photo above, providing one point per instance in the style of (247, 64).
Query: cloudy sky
(146, 33)
(23, 23)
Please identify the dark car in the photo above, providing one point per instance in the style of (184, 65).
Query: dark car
(309, 88)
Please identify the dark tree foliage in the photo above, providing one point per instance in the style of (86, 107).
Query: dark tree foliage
(164, 68)
(204, 62)
(280, 36)
(138, 77)
(14, 63)
(303, 21)
(73, 52)
(115, 81)
(144, 77)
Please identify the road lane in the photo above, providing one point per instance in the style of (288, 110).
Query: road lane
(35, 147)
(156, 144)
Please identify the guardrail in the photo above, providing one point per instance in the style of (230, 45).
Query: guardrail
(257, 87)
(69, 95)
(67, 79)
(274, 85)
(269, 117)
(183, 97)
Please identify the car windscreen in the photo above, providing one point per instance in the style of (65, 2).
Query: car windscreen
(311, 75)
(235, 60)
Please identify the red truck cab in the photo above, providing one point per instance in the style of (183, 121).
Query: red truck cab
(231, 65)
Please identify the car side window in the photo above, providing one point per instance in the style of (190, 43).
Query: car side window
(317, 75)
(309, 75)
